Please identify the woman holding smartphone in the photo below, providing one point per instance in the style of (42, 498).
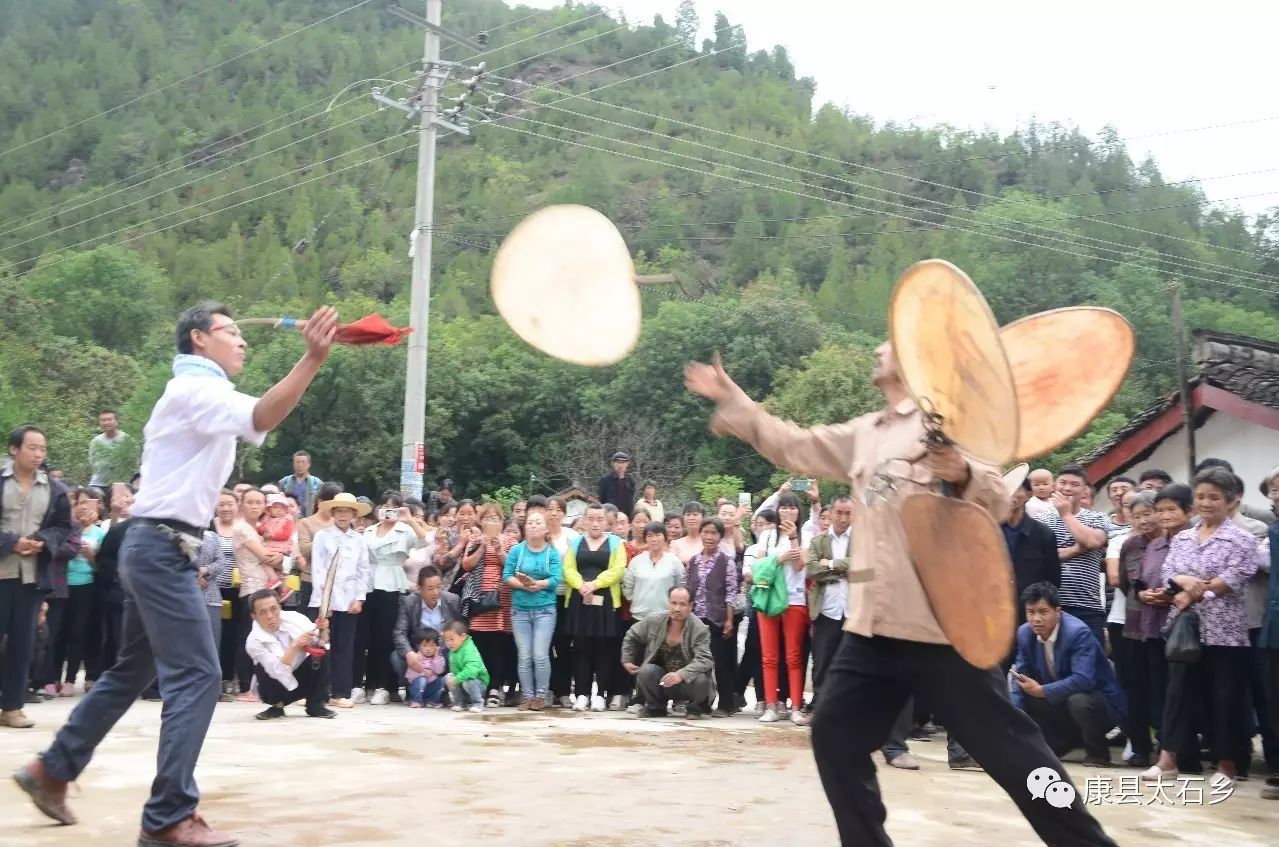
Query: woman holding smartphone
(486, 600)
(533, 571)
(389, 541)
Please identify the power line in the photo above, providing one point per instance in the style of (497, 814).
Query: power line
(189, 183)
(1083, 144)
(203, 202)
(1071, 239)
(226, 208)
(1197, 265)
(886, 172)
(187, 78)
(58, 208)
(829, 200)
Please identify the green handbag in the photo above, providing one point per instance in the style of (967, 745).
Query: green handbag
(768, 587)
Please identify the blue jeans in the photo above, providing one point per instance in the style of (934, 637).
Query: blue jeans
(467, 693)
(421, 691)
(165, 631)
(534, 629)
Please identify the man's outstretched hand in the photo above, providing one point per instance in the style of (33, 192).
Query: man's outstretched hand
(319, 332)
(711, 381)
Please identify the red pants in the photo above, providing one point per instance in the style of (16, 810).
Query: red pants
(794, 622)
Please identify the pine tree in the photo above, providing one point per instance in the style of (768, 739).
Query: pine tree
(687, 23)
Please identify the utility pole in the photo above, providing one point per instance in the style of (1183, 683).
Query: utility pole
(411, 471)
(425, 104)
(1183, 376)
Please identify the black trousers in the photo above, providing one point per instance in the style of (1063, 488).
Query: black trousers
(1263, 702)
(864, 691)
(1145, 682)
(112, 631)
(827, 633)
(597, 658)
(382, 608)
(1272, 680)
(1079, 722)
(342, 626)
(228, 645)
(561, 657)
(497, 649)
(70, 649)
(19, 613)
(55, 618)
(751, 668)
(313, 686)
(724, 652)
(1222, 676)
(304, 601)
(243, 626)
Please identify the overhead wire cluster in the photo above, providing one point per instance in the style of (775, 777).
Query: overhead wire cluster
(481, 99)
(240, 138)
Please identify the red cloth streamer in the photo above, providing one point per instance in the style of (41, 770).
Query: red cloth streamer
(371, 330)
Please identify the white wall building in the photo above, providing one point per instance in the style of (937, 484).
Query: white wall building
(1235, 404)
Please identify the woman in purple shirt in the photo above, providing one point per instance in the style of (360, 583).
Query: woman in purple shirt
(1156, 517)
(1207, 569)
(712, 583)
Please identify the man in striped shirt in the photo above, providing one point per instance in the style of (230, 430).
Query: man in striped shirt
(1081, 542)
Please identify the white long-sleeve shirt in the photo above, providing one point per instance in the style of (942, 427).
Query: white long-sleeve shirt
(353, 578)
(267, 649)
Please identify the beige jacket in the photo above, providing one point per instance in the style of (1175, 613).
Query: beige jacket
(885, 596)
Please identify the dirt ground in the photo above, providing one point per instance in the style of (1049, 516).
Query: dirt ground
(390, 775)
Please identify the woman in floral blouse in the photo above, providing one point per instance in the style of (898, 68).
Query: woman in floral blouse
(1207, 570)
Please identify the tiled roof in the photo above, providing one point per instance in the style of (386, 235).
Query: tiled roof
(1246, 367)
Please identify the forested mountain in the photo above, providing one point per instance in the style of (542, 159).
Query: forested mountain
(240, 158)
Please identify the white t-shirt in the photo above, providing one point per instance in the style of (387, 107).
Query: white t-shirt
(1040, 509)
(189, 447)
(835, 594)
(1119, 605)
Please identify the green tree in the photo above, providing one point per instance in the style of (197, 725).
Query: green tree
(687, 23)
(716, 486)
(108, 297)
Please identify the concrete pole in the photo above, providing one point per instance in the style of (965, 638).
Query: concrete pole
(420, 292)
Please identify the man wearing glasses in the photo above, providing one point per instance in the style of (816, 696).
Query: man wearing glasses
(189, 451)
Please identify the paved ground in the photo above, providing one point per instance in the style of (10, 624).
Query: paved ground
(390, 776)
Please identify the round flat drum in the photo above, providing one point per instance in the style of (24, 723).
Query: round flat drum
(1057, 400)
(971, 594)
(949, 351)
(564, 282)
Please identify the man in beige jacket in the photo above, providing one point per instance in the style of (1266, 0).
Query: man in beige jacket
(893, 646)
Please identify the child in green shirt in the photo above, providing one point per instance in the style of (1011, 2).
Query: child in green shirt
(468, 679)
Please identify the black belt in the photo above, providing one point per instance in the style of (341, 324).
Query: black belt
(176, 525)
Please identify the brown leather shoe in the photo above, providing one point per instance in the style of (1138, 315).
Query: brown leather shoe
(192, 832)
(49, 794)
(16, 719)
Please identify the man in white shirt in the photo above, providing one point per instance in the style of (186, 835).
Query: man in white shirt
(828, 596)
(277, 646)
(189, 452)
